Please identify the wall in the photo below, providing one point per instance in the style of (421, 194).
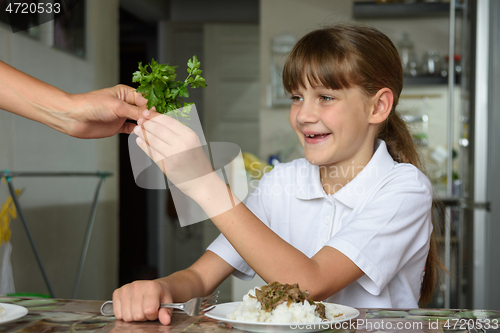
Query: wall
(57, 209)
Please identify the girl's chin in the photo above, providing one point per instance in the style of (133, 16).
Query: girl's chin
(316, 160)
(313, 162)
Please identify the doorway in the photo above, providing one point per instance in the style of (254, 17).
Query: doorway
(137, 247)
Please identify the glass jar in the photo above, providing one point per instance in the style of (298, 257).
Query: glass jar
(406, 52)
(431, 63)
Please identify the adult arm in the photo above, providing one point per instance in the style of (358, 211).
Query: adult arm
(97, 114)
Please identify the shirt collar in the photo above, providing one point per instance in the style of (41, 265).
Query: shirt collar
(310, 187)
(309, 183)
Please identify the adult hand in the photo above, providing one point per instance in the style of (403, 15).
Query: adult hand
(103, 113)
(96, 114)
(140, 301)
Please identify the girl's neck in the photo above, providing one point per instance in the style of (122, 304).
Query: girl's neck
(335, 176)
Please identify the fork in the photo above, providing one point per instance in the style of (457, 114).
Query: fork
(193, 307)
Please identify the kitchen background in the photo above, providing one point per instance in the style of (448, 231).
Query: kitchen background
(240, 44)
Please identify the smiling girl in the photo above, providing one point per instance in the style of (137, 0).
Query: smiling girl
(350, 223)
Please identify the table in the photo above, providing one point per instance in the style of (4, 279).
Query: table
(62, 315)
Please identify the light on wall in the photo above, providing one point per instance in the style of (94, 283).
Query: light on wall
(281, 46)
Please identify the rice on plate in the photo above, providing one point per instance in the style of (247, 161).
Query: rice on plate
(254, 310)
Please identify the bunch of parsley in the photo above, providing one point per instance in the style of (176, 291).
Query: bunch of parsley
(158, 86)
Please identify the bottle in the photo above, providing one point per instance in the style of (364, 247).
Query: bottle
(431, 63)
(406, 52)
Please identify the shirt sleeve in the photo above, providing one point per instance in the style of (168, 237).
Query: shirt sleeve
(259, 202)
(393, 229)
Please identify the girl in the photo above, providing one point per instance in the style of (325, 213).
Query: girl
(350, 223)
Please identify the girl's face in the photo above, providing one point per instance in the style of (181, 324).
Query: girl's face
(334, 126)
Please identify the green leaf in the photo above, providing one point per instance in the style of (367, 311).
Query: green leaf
(174, 93)
(165, 68)
(183, 92)
(157, 83)
(137, 76)
(159, 94)
(191, 63)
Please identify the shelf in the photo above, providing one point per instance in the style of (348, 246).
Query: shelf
(427, 80)
(414, 119)
(363, 10)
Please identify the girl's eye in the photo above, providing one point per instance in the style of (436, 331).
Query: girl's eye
(326, 98)
(296, 98)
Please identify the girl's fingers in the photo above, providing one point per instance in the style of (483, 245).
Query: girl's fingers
(161, 132)
(117, 307)
(165, 141)
(165, 315)
(149, 150)
(152, 145)
(151, 305)
(169, 130)
(173, 124)
(125, 309)
(137, 309)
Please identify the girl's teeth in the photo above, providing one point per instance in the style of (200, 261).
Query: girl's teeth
(314, 135)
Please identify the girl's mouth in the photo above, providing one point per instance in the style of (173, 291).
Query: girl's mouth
(316, 138)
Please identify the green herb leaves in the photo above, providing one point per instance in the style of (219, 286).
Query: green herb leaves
(159, 87)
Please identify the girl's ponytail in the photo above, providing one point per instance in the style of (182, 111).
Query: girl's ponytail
(431, 272)
(399, 142)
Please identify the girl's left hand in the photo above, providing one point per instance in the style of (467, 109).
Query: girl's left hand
(175, 148)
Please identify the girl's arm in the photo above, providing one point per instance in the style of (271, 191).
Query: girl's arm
(271, 257)
(140, 300)
(274, 259)
(96, 114)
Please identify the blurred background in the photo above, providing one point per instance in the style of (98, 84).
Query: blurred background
(242, 46)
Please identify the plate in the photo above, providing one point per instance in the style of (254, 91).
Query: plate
(221, 311)
(12, 312)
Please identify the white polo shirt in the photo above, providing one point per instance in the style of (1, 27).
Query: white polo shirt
(381, 220)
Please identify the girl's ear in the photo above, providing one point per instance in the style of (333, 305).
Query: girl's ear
(382, 106)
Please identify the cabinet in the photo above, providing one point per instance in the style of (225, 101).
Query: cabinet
(435, 106)
(422, 68)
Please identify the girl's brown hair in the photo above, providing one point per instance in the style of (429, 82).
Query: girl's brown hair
(346, 55)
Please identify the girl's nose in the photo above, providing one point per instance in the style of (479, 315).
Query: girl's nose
(307, 114)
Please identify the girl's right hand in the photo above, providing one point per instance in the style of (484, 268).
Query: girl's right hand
(177, 151)
(140, 301)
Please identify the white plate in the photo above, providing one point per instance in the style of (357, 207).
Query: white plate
(221, 311)
(12, 312)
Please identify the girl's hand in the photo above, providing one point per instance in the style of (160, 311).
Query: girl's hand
(176, 149)
(140, 301)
